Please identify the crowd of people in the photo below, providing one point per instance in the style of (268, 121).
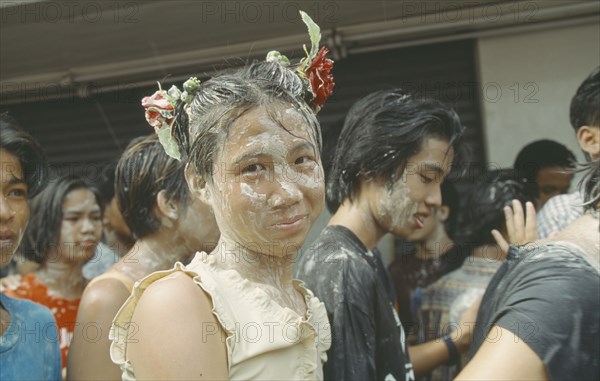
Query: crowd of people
(187, 260)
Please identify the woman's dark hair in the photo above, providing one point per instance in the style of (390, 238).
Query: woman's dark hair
(221, 100)
(584, 105)
(142, 172)
(27, 150)
(106, 183)
(484, 206)
(43, 232)
(381, 132)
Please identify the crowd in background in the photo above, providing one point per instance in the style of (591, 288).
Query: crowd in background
(158, 269)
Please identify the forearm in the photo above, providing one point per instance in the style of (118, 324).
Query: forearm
(428, 356)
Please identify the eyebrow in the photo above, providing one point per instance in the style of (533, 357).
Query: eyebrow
(303, 146)
(434, 167)
(15, 180)
(76, 210)
(256, 153)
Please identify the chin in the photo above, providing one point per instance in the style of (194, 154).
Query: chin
(408, 233)
(86, 254)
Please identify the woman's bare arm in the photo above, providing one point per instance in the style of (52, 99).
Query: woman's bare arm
(175, 335)
(89, 357)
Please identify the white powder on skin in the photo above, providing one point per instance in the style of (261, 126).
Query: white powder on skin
(281, 189)
(396, 205)
(249, 192)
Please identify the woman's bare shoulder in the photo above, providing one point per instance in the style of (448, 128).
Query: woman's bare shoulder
(173, 320)
(176, 293)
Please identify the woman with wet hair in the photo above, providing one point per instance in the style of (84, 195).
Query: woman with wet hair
(253, 147)
(23, 174)
(64, 229)
(169, 225)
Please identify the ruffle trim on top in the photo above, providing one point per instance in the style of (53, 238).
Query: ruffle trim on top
(316, 320)
(204, 271)
(119, 332)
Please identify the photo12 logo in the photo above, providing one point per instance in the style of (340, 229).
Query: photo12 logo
(72, 12)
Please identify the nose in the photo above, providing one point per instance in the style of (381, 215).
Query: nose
(88, 225)
(434, 197)
(6, 210)
(286, 192)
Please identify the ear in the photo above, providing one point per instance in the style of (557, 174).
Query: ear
(443, 212)
(197, 185)
(167, 207)
(589, 140)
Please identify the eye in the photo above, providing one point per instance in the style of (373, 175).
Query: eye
(305, 160)
(425, 179)
(252, 171)
(18, 192)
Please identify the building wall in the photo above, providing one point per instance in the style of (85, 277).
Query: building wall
(546, 67)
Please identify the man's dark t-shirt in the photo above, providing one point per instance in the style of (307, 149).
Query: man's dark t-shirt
(548, 296)
(368, 342)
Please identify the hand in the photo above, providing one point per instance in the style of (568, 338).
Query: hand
(520, 227)
(10, 283)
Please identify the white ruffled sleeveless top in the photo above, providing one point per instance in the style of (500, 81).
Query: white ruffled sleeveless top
(265, 341)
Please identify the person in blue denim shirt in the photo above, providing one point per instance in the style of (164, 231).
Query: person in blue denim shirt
(28, 335)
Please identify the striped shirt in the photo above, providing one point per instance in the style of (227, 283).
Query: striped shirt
(558, 213)
(446, 300)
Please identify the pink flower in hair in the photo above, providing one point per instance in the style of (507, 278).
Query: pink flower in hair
(159, 110)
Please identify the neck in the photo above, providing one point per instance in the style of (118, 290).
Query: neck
(435, 246)
(357, 217)
(261, 269)
(117, 243)
(158, 251)
(63, 279)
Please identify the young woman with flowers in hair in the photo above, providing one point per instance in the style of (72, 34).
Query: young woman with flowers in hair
(170, 225)
(252, 144)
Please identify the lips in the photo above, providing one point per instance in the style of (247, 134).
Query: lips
(7, 239)
(292, 223)
(87, 244)
(420, 220)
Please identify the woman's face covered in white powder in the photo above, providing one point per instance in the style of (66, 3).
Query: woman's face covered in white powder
(268, 184)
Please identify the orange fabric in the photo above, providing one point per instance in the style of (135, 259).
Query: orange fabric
(64, 310)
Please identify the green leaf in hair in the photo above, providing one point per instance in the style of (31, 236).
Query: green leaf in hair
(168, 142)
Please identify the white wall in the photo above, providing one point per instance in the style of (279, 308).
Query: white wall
(553, 63)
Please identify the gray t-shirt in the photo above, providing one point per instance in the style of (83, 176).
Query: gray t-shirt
(548, 295)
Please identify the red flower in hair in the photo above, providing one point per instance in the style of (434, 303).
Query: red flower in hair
(321, 80)
(159, 110)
